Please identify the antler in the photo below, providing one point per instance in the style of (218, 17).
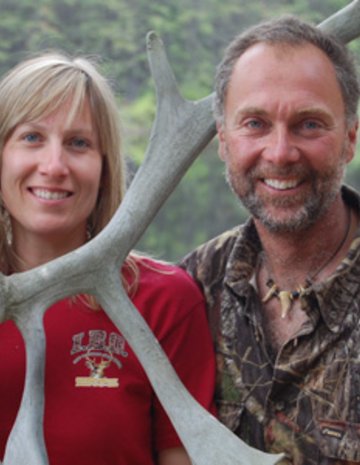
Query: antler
(345, 23)
(95, 268)
(180, 132)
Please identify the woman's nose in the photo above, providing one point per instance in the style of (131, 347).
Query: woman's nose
(54, 160)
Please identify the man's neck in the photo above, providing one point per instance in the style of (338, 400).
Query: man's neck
(291, 263)
(292, 258)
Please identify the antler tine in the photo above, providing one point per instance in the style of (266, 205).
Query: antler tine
(180, 132)
(26, 444)
(206, 440)
(345, 24)
(161, 71)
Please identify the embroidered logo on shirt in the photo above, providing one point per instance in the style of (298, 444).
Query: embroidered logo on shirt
(98, 354)
(332, 432)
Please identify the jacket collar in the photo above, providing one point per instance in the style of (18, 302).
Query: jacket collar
(334, 296)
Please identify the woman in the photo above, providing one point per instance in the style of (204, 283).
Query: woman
(62, 178)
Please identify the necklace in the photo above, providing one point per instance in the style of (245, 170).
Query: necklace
(287, 298)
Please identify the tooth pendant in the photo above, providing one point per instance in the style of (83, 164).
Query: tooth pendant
(286, 299)
(272, 292)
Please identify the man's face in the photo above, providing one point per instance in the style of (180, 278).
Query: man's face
(285, 140)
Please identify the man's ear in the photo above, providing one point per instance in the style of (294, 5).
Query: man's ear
(350, 148)
(222, 143)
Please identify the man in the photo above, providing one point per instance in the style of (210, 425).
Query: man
(283, 289)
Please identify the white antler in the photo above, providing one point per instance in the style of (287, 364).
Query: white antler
(345, 23)
(180, 132)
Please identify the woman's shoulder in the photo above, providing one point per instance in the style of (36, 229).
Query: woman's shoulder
(161, 273)
(167, 296)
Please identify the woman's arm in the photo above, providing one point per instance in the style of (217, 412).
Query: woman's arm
(174, 456)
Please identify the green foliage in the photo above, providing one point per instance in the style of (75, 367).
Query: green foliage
(201, 207)
(194, 32)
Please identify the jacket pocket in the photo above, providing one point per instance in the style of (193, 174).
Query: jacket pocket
(338, 440)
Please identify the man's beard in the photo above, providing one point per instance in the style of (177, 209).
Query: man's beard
(312, 205)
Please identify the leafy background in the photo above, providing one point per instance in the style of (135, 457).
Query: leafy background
(195, 33)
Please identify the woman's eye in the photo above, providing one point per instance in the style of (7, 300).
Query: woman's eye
(31, 137)
(79, 143)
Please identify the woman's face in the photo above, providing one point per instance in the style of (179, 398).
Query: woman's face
(50, 177)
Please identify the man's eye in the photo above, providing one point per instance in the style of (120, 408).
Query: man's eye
(310, 124)
(254, 124)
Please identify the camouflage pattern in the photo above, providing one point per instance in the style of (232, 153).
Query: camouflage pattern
(305, 399)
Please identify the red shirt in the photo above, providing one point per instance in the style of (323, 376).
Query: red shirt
(100, 408)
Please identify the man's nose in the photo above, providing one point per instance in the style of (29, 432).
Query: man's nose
(280, 148)
(54, 160)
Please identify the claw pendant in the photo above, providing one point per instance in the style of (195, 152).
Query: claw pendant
(272, 292)
(286, 299)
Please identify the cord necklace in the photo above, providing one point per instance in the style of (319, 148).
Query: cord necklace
(287, 298)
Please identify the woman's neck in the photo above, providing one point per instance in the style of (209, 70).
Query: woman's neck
(34, 251)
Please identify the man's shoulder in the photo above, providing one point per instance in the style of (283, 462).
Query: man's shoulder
(212, 256)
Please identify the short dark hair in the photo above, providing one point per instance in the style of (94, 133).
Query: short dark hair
(292, 31)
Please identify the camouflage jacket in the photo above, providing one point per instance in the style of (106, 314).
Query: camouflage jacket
(305, 399)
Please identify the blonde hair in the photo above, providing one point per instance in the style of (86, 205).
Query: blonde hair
(39, 86)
